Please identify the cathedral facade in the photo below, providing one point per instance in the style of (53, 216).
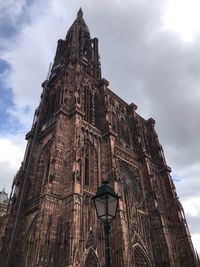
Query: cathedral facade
(82, 134)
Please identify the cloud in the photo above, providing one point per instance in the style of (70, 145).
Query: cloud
(196, 240)
(11, 9)
(11, 154)
(11, 16)
(187, 22)
(192, 206)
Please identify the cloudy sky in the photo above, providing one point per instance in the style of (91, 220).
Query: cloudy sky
(150, 53)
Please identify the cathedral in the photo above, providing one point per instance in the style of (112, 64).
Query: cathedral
(82, 134)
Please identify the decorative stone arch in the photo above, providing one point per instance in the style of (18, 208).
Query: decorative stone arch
(91, 259)
(140, 257)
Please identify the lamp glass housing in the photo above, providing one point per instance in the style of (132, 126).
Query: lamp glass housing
(106, 203)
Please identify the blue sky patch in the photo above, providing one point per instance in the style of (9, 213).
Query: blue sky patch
(7, 123)
(3, 66)
(176, 178)
(6, 29)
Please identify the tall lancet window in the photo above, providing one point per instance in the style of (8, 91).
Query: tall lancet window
(87, 169)
(90, 167)
(89, 105)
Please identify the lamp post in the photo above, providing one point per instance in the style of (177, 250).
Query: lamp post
(106, 203)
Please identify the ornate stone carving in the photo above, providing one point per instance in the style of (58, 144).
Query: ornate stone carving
(91, 240)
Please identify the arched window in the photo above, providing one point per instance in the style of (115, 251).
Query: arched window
(90, 166)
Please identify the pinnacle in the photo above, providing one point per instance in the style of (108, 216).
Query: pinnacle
(80, 13)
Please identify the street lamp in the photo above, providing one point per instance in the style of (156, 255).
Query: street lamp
(106, 203)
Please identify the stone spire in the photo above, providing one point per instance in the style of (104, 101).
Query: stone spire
(78, 27)
(78, 45)
(80, 12)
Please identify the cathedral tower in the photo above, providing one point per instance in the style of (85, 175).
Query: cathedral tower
(83, 133)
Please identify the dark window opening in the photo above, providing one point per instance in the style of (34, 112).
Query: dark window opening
(87, 170)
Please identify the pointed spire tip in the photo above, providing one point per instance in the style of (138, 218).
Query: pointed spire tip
(80, 12)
